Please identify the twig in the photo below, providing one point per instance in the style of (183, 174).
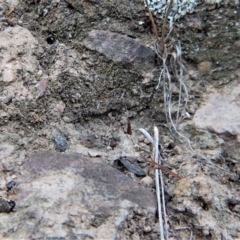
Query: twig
(129, 128)
(164, 26)
(152, 21)
(165, 169)
(11, 11)
(177, 70)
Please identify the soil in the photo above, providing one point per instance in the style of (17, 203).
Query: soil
(76, 96)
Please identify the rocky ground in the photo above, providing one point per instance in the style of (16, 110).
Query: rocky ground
(74, 76)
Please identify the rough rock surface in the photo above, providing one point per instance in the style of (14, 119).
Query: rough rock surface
(225, 106)
(17, 62)
(69, 196)
(76, 89)
(121, 48)
(206, 201)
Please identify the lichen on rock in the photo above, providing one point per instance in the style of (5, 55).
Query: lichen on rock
(179, 7)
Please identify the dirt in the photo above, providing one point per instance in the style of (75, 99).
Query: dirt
(80, 93)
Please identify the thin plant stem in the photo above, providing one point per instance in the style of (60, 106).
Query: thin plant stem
(156, 152)
(164, 26)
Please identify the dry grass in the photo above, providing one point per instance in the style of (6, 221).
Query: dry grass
(169, 50)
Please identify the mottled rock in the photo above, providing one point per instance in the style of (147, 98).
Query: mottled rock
(203, 198)
(121, 48)
(220, 112)
(17, 60)
(73, 197)
(61, 143)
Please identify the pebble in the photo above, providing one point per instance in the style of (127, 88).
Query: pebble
(41, 87)
(50, 39)
(147, 181)
(147, 229)
(204, 67)
(60, 143)
(6, 206)
(40, 73)
(10, 185)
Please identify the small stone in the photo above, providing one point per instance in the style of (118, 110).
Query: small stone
(40, 73)
(41, 88)
(66, 119)
(204, 67)
(10, 185)
(147, 229)
(147, 181)
(50, 39)
(61, 143)
(92, 153)
(6, 206)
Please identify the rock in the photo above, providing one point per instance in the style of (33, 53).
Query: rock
(6, 206)
(41, 87)
(17, 60)
(203, 198)
(147, 181)
(94, 154)
(88, 92)
(204, 67)
(220, 113)
(132, 166)
(10, 185)
(70, 196)
(61, 143)
(121, 48)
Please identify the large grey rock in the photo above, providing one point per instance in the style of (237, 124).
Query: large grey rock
(121, 48)
(17, 59)
(69, 196)
(220, 113)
